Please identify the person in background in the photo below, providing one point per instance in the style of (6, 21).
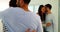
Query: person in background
(42, 14)
(49, 19)
(20, 19)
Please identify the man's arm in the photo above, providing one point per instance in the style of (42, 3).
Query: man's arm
(28, 30)
(40, 28)
(48, 21)
(48, 24)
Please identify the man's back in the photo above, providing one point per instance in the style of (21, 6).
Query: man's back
(17, 20)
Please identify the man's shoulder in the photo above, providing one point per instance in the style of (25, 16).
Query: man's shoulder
(36, 16)
(50, 15)
(12, 10)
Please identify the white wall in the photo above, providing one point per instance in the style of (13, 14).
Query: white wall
(4, 5)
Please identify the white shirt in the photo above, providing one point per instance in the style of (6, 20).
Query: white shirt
(50, 18)
(17, 20)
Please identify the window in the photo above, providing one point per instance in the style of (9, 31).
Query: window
(34, 8)
(31, 8)
(3, 6)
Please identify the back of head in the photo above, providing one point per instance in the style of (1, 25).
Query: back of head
(40, 13)
(49, 6)
(26, 1)
(39, 9)
(12, 3)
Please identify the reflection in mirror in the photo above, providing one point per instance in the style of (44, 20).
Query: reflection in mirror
(33, 6)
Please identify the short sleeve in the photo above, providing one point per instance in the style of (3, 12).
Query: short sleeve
(51, 19)
(39, 28)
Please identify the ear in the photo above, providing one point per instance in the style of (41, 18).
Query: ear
(16, 1)
(21, 1)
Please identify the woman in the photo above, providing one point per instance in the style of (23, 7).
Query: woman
(42, 14)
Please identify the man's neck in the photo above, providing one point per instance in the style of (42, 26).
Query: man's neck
(25, 7)
(49, 12)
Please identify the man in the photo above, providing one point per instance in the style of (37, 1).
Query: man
(24, 5)
(49, 19)
(12, 4)
(20, 19)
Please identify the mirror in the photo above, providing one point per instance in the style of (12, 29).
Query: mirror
(33, 6)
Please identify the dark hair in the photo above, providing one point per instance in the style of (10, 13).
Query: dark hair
(40, 13)
(27, 1)
(12, 3)
(49, 6)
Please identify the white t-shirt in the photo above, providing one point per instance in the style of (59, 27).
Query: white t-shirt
(50, 18)
(17, 20)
